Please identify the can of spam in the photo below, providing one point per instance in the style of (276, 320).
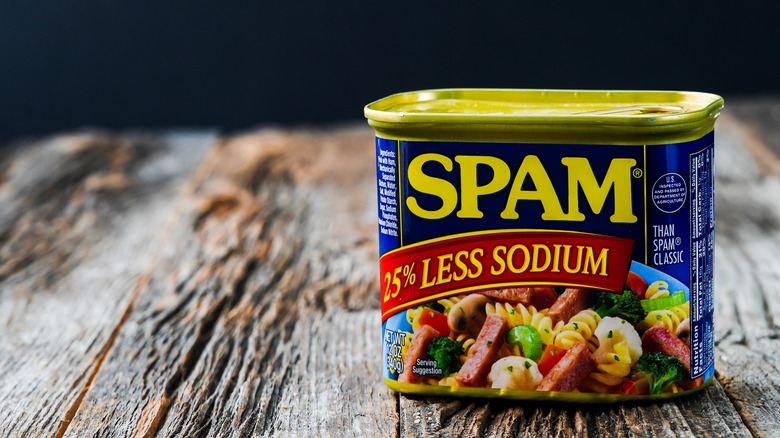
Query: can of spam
(546, 244)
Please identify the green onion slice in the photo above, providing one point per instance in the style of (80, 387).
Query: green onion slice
(672, 300)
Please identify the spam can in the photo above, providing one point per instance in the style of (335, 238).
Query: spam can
(546, 244)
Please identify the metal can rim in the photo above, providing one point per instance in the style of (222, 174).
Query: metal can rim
(522, 110)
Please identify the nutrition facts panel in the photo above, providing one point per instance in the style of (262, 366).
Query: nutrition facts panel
(702, 243)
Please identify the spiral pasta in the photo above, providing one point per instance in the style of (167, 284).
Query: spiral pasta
(413, 317)
(613, 364)
(591, 384)
(467, 342)
(657, 289)
(521, 315)
(669, 318)
(448, 381)
(508, 350)
(579, 328)
(449, 302)
(433, 381)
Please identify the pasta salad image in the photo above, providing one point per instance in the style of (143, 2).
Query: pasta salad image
(550, 338)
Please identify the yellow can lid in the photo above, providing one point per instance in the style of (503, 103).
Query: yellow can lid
(544, 115)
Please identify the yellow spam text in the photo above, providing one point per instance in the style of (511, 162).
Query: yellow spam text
(578, 172)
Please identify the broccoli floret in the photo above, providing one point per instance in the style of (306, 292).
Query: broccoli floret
(626, 306)
(446, 351)
(660, 370)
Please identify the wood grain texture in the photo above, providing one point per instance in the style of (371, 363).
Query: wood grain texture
(759, 118)
(236, 294)
(79, 217)
(708, 413)
(747, 282)
(754, 132)
(261, 316)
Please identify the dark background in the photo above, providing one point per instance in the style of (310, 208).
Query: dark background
(234, 65)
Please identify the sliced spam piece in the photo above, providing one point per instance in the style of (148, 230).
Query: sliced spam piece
(569, 303)
(514, 295)
(484, 352)
(541, 297)
(418, 349)
(573, 368)
(659, 338)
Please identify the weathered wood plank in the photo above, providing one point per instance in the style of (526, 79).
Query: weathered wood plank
(706, 414)
(759, 118)
(752, 129)
(79, 217)
(747, 272)
(259, 314)
(261, 317)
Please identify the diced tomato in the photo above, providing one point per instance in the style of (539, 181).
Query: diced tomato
(634, 387)
(695, 383)
(551, 356)
(636, 284)
(543, 297)
(435, 320)
(627, 388)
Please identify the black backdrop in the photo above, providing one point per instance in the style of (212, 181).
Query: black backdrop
(237, 64)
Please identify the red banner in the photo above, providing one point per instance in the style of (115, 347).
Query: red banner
(478, 261)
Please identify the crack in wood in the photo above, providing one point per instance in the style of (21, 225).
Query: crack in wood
(98, 361)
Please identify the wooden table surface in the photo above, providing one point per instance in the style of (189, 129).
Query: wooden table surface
(192, 284)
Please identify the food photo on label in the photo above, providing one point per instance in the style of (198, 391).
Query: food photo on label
(546, 244)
